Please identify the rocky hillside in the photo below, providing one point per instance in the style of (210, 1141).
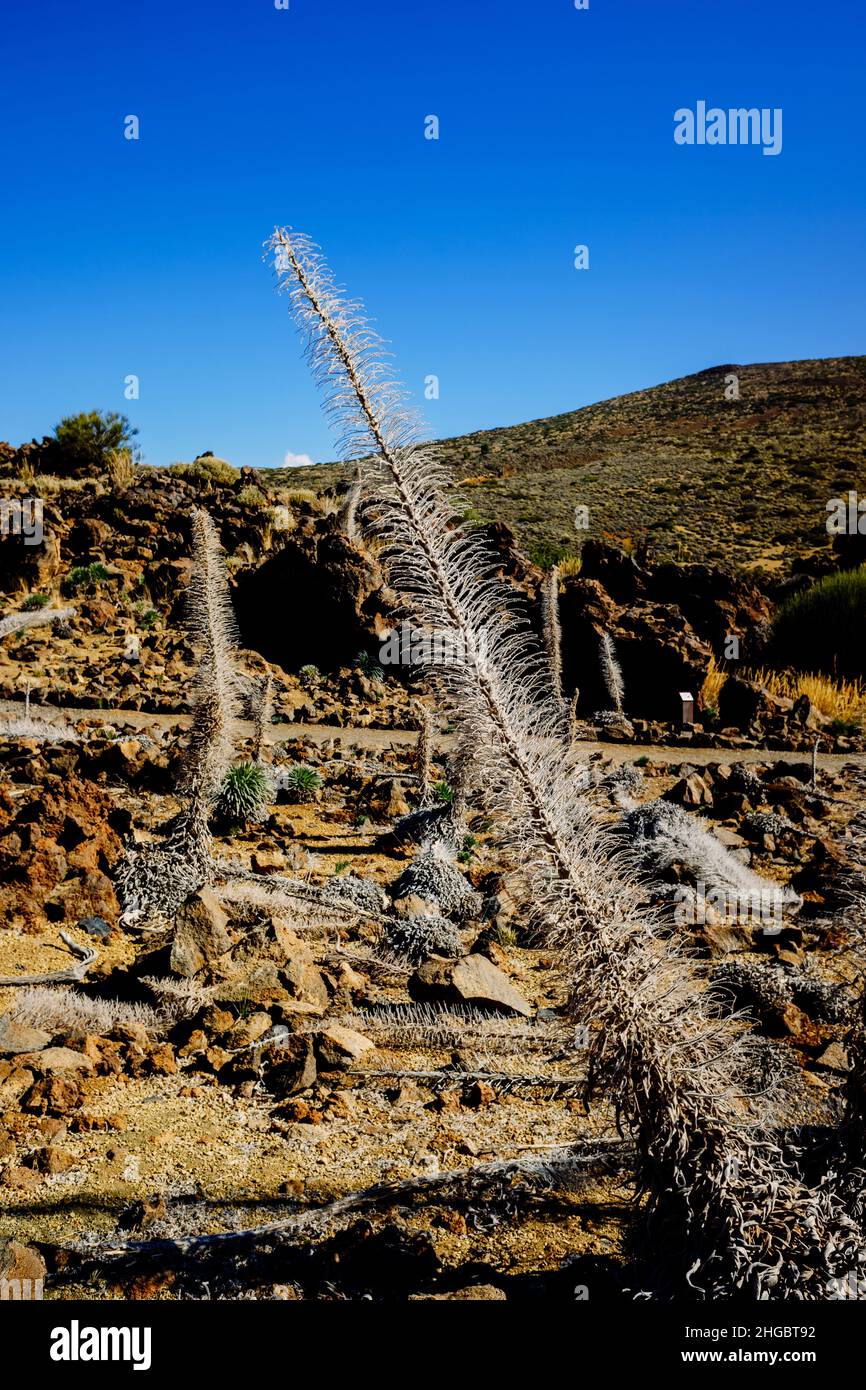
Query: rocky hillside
(313, 607)
(679, 467)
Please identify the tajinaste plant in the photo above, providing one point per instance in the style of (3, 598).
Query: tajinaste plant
(611, 672)
(552, 630)
(722, 1194)
(154, 881)
(424, 754)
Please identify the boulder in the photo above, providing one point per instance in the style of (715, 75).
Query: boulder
(693, 790)
(473, 980)
(340, 1047)
(18, 1037)
(291, 1067)
(201, 938)
(56, 1061)
(19, 1261)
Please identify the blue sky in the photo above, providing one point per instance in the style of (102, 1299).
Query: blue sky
(123, 257)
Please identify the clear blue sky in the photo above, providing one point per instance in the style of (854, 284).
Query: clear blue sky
(556, 128)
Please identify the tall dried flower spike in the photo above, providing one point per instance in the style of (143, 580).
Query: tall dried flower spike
(155, 880)
(739, 1215)
(423, 754)
(347, 514)
(552, 630)
(262, 713)
(218, 692)
(611, 672)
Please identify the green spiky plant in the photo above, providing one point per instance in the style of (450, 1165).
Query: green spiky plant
(243, 795)
(85, 575)
(310, 676)
(368, 667)
(302, 783)
(730, 1211)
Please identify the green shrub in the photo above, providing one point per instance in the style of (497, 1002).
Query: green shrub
(84, 575)
(368, 667)
(34, 601)
(820, 629)
(443, 793)
(243, 796)
(302, 783)
(545, 554)
(846, 727)
(206, 469)
(254, 498)
(467, 849)
(309, 676)
(88, 443)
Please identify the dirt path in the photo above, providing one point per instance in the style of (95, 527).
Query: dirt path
(382, 739)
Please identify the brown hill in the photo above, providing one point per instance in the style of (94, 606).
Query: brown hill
(678, 466)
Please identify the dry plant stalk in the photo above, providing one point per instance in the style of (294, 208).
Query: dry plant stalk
(713, 684)
(552, 630)
(721, 1193)
(424, 754)
(73, 974)
(218, 693)
(16, 622)
(498, 1183)
(262, 714)
(611, 672)
(154, 881)
(347, 513)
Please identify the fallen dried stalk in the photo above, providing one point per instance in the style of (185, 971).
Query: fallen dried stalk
(464, 1184)
(74, 974)
(503, 1083)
